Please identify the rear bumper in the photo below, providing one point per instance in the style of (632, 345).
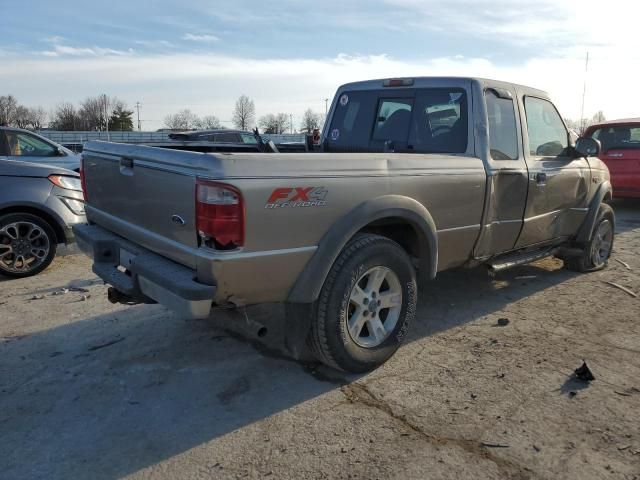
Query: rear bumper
(148, 276)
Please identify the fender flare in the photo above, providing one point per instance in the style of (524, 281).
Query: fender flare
(586, 229)
(309, 282)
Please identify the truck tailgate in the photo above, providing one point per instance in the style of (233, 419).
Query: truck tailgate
(144, 194)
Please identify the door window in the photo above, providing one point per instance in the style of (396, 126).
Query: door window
(25, 145)
(503, 134)
(548, 136)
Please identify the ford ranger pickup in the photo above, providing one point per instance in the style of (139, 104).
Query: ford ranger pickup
(416, 176)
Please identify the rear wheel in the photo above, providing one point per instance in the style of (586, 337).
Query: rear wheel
(27, 245)
(366, 305)
(597, 251)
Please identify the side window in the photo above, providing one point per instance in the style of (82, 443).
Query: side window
(548, 136)
(392, 120)
(246, 138)
(226, 138)
(25, 145)
(503, 134)
(4, 147)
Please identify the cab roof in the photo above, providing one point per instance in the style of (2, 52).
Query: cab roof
(420, 82)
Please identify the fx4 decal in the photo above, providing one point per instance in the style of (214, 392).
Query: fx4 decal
(292, 197)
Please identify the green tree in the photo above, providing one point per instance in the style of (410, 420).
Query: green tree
(121, 119)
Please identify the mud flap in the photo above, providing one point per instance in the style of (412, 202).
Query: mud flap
(298, 318)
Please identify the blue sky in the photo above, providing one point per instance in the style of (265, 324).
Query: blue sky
(290, 55)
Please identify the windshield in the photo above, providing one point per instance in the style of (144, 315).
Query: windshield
(428, 120)
(618, 137)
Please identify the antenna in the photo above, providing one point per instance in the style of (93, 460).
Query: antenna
(584, 93)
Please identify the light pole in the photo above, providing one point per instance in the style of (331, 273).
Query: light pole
(138, 108)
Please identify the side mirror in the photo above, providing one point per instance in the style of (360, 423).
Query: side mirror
(587, 147)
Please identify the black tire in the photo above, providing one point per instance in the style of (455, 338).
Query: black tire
(594, 257)
(48, 238)
(330, 337)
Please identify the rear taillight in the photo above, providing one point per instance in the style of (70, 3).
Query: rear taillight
(219, 215)
(83, 181)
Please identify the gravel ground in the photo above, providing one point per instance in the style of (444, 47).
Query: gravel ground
(93, 390)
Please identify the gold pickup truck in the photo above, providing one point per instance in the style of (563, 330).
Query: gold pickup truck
(416, 176)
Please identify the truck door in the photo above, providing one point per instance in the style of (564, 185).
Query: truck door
(506, 174)
(558, 182)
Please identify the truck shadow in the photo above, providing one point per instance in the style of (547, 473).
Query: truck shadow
(626, 210)
(110, 395)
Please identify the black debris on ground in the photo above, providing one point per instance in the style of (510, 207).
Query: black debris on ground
(503, 322)
(583, 373)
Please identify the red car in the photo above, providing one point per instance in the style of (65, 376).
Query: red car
(620, 140)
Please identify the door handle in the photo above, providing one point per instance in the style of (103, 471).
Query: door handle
(541, 178)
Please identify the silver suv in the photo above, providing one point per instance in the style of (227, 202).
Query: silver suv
(38, 206)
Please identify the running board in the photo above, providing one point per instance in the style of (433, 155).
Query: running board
(514, 259)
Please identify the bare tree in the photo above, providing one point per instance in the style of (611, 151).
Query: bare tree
(65, 117)
(598, 117)
(92, 113)
(208, 122)
(310, 121)
(8, 106)
(37, 118)
(183, 120)
(21, 117)
(244, 113)
(271, 123)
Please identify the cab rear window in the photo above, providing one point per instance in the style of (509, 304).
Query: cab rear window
(618, 137)
(431, 120)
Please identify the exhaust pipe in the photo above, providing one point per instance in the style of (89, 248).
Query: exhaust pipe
(239, 322)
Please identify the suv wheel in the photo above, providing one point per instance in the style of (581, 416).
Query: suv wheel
(366, 305)
(597, 251)
(27, 245)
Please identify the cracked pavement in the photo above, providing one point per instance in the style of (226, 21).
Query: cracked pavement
(93, 390)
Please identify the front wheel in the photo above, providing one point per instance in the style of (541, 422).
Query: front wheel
(366, 305)
(27, 245)
(597, 251)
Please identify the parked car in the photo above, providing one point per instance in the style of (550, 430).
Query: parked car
(438, 173)
(38, 206)
(23, 145)
(220, 140)
(620, 151)
(224, 140)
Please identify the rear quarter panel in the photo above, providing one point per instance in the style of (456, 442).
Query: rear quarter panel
(452, 189)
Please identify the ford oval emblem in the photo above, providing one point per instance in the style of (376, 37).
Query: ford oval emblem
(178, 219)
